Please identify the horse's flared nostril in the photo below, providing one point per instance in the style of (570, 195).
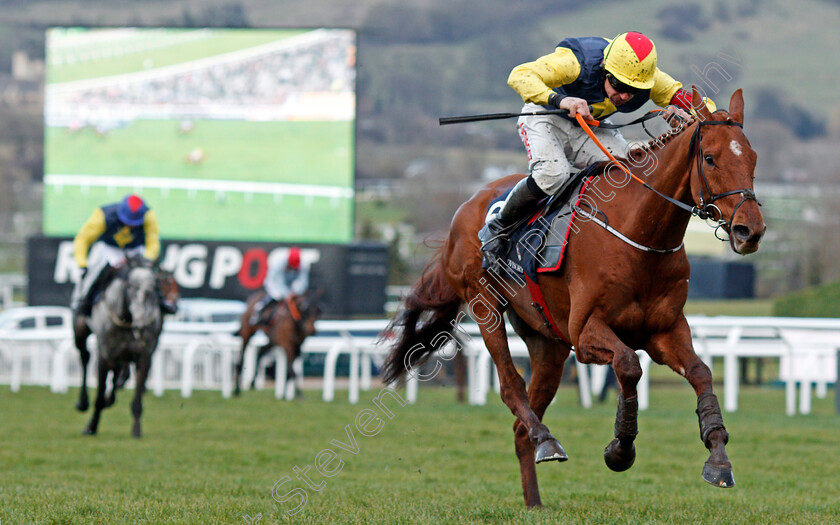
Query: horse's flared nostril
(741, 233)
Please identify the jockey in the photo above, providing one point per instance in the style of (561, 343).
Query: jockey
(284, 281)
(610, 75)
(111, 234)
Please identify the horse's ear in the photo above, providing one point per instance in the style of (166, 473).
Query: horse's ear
(699, 104)
(736, 106)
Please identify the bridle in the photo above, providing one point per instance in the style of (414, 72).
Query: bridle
(706, 209)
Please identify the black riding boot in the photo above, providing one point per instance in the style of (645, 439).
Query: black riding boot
(519, 203)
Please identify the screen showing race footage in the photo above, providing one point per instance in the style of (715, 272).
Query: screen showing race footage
(228, 134)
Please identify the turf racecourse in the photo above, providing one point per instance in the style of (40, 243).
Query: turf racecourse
(208, 460)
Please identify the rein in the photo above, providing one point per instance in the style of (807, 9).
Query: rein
(705, 210)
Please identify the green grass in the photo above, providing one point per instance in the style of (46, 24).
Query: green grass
(736, 307)
(818, 301)
(210, 460)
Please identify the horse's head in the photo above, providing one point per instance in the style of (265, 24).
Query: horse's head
(168, 287)
(723, 171)
(310, 310)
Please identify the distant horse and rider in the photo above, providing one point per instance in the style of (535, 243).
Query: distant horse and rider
(620, 284)
(285, 311)
(287, 324)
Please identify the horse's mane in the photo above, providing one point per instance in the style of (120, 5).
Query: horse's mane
(658, 142)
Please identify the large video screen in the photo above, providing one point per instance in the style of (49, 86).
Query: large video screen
(228, 134)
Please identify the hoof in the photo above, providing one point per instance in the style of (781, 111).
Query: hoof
(718, 476)
(88, 432)
(82, 406)
(619, 458)
(550, 450)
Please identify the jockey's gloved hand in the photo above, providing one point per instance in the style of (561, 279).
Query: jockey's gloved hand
(675, 115)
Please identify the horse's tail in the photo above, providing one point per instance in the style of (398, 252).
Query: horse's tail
(428, 312)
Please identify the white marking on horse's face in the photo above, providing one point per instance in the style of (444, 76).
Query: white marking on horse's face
(682, 371)
(735, 147)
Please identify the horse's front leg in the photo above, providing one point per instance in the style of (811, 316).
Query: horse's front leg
(100, 402)
(141, 372)
(674, 348)
(598, 344)
(81, 333)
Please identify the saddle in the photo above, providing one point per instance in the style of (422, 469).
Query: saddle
(537, 243)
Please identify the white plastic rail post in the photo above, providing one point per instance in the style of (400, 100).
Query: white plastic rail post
(643, 388)
(329, 371)
(482, 377)
(805, 396)
(730, 369)
(59, 366)
(367, 363)
(411, 386)
(280, 372)
(156, 371)
(583, 384)
(227, 369)
(471, 358)
(187, 370)
(790, 383)
(353, 387)
(17, 367)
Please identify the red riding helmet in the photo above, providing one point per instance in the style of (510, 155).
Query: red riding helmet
(132, 210)
(294, 258)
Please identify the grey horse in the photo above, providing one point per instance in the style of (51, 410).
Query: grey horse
(127, 322)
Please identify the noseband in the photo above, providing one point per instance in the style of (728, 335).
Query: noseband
(706, 209)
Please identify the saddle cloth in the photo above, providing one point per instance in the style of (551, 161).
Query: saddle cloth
(538, 244)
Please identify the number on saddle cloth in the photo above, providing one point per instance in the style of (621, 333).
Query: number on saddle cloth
(537, 243)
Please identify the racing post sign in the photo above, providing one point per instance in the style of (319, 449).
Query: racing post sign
(353, 277)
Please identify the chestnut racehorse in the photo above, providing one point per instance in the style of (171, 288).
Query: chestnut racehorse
(611, 296)
(284, 328)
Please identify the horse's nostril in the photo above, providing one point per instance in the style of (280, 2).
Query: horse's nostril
(740, 232)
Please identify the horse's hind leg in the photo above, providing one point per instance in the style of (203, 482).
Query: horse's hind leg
(142, 371)
(547, 448)
(675, 350)
(547, 360)
(266, 348)
(598, 344)
(245, 333)
(100, 402)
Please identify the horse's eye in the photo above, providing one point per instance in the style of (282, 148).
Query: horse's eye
(709, 159)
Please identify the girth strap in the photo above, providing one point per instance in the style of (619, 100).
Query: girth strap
(542, 309)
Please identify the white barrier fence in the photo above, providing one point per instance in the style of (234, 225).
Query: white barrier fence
(202, 355)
